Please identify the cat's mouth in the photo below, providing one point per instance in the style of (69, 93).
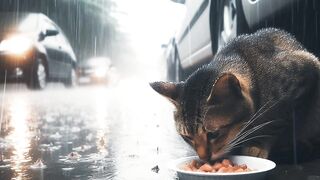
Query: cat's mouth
(215, 154)
(222, 145)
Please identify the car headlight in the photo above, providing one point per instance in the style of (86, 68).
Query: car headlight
(16, 44)
(100, 72)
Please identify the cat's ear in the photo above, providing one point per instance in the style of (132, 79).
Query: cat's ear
(168, 89)
(226, 86)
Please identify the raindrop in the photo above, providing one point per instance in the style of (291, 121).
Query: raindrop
(73, 156)
(82, 148)
(38, 165)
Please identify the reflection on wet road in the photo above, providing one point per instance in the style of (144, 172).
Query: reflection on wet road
(98, 132)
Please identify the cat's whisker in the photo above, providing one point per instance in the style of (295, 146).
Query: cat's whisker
(242, 136)
(258, 114)
(247, 133)
(229, 149)
(260, 109)
(238, 142)
(248, 123)
(255, 116)
(254, 137)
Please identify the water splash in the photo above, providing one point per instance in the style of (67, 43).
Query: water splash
(38, 165)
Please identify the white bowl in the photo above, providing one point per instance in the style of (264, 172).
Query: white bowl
(259, 168)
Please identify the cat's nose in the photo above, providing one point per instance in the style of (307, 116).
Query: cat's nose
(203, 157)
(202, 152)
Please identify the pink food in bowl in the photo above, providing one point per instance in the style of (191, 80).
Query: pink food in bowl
(225, 166)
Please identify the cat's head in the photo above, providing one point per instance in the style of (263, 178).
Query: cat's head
(210, 110)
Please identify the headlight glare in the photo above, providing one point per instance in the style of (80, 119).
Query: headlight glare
(16, 44)
(100, 72)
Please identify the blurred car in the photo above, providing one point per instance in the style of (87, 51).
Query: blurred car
(169, 55)
(94, 70)
(208, 25)
(35, 50)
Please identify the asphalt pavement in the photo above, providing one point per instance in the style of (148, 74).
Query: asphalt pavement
(123, 131)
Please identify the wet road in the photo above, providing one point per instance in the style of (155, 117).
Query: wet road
(120, 131)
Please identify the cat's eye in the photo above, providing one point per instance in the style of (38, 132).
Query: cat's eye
(212, 135)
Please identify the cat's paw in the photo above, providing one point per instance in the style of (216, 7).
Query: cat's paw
(256, 152)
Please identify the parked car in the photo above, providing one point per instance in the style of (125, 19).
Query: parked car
(208, 25)
(94, 70)
(35, 50)
(169, 55)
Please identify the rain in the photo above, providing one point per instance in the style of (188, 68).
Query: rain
(105, 130)
(110, 124)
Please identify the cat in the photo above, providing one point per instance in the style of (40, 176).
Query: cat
(260, 95)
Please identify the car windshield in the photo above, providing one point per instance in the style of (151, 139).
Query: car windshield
(18, 22)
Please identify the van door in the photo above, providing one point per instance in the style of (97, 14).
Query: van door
(52, 49)
(194, 39)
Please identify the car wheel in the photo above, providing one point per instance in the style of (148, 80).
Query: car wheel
(72, 79)
(37, 75)
(231, 21)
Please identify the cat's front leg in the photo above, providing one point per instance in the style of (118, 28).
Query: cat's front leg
(256, 151)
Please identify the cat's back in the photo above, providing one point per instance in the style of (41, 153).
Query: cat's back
(262, 49)
(264, 42)
(277, 64)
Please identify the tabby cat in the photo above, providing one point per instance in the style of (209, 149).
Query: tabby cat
(259, 96)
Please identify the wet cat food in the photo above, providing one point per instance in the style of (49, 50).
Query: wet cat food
(225, 166)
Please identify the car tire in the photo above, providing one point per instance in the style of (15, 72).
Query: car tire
(231, 22)
(71, 80)
(38, 76)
